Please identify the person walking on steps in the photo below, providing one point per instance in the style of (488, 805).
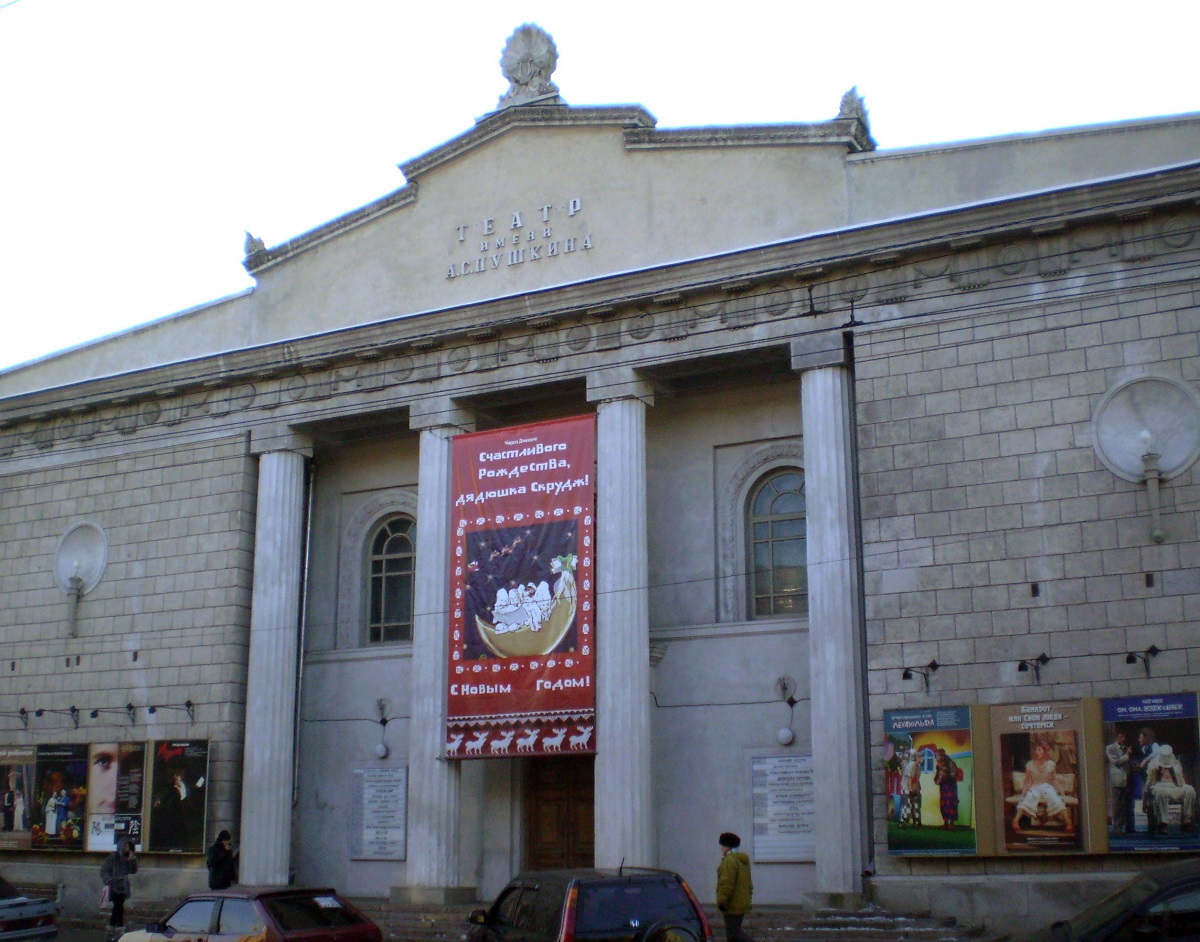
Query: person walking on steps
(734, 887)
(115, 872)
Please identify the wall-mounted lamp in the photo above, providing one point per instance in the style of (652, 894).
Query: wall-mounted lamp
(74, 594)
(188, 707)
(1144, 656)
(21, 714)
(787, 693)
(925, 671)
(1151, 477)
(129, 710)
(381, 748)
(1036, 664)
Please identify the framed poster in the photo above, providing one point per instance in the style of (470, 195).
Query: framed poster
(59, 797)
(17, 765)
(929, 781)
(1039, 785)
(179, 774)
(116, 782)
(1151, 767)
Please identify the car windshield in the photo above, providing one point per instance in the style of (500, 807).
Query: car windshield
(605, 907)
(7, 890)
(1099, 915)
(309, 911)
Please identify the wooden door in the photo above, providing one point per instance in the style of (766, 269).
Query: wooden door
(559, 813)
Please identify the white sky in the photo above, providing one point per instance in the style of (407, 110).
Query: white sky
(139, 138)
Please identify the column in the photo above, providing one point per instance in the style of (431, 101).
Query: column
(433, 782)
(835, 611)
(624, 796)
(266, 829)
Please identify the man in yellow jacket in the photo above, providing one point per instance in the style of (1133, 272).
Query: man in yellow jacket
(734, 887)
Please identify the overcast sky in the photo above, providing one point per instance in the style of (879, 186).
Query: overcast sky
(139, 138)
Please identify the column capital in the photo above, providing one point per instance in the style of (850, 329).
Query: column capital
(619, 382)
(440, 412)
(279, 438)
(828, 348)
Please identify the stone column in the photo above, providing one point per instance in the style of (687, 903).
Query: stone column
(433, 783)
(834, 611)
(624, 804)
(266, 828)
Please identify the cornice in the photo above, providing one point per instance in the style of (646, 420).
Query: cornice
(794, 262)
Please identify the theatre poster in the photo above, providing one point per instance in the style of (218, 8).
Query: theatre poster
(521, 677)
(1039, 782)
(929, 773)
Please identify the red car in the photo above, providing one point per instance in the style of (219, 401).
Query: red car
(269, 914)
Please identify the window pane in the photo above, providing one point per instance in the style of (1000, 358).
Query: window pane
(239, 917)
(193, 916)
(390, 586)
(777, 545)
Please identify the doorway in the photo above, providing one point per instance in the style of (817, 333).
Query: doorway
(559, 813)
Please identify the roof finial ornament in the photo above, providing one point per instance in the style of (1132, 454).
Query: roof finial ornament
(853, 106)
(529, 60)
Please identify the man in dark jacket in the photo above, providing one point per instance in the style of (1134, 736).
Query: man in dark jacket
(222, 867)
(734, 887)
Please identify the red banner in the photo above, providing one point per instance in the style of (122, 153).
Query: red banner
(522, 677)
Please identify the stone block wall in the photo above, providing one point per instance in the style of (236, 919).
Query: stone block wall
(992, 530)
(168, 620)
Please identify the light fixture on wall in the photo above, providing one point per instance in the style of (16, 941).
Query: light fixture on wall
(381, 747)
(129, 710)
(187, 706)
(787, 692)
(1151, 477)
(925, 671)
(1034, 663)
(1144, 656)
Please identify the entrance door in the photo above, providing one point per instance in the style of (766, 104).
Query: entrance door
(559, 814)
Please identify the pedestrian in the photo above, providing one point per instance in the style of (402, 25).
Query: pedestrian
(222, 866)
(734, 887)
(115, 872)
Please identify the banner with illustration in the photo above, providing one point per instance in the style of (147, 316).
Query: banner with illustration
(116, 784)
(929, 779)
(178, 779)
(1151, 768)
(1039, 782)
(17, 765)
(60, 796)
(522, 645)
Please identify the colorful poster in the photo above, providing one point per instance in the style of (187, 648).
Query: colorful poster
(116, 781)
(179, 773)
(17, 764)
(1039, 783)
(522, 645)
(1151, 767)
(929, 779)
(60, 794)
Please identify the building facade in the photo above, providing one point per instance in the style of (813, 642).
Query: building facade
(857, 413)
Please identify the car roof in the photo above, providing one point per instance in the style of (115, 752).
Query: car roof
(587, 874)
(260, 892)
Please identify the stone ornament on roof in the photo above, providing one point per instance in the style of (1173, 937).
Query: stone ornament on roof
(853, 106)
(529, 59)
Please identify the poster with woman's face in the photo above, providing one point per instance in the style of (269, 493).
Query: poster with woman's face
(60, 797)
(1039, 786)
(17, 764)
(116, 773)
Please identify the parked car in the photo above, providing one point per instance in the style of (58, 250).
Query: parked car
(1162, 903)
(632, 904)
(269, 914)
(23, 919)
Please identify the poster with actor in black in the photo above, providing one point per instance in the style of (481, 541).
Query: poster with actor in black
(177, 789)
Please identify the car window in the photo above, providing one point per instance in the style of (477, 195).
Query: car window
(507, 906)
(195, 915)
(610, 906)
(1175, 916)
(239, 917)
(309, 911)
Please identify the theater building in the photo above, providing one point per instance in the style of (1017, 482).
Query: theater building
(606, 487)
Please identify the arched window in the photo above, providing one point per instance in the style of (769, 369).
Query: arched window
(777, 531)
(392, 558)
